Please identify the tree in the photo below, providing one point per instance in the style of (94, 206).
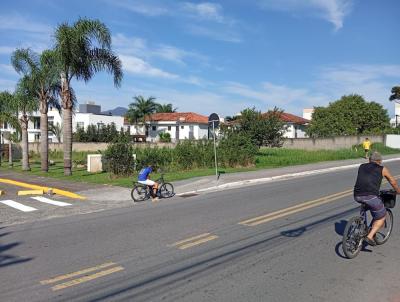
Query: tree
(7, 113)
(83, 49)
(24, 100)
(140, 109)
(165, 108)
(395, 94)
(43, 74)
(264, 129)
(351, 115)
(56, 130)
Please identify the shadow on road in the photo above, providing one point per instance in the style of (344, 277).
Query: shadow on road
(162, 279)
(7, 259)
(340, 226)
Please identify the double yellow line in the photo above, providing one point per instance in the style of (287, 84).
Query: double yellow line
(295, 209)
(83, 279)
(193, 241)
(300, 207)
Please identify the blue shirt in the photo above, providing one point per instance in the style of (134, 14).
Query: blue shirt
(144, 173)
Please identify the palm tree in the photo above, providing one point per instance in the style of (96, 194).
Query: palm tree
(395, 93)
(45, 81)
(7, 114)
(24, 100)
(83, 49)
(56, 130)
(141, 108)
(165, 108)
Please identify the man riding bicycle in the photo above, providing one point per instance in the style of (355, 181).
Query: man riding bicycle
(366, 191)
(144, 179)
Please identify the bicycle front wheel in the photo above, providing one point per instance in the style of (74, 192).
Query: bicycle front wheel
(167, 190)
(139, 193)
(383, 234)
(353, 236)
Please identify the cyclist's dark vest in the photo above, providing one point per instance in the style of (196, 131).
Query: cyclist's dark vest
(369, 179)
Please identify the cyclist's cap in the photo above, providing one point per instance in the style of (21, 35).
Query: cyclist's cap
(376, 156)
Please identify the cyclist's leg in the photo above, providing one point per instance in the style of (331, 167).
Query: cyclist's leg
(378, 213)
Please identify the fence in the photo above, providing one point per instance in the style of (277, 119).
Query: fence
(330, 143)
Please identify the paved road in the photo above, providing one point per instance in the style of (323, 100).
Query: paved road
(238, 245)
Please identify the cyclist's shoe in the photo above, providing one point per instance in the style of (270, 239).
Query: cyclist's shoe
(369, 241)
(155, 199)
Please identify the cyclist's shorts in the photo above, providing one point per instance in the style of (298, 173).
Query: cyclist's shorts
(374, 204)
(147, 182)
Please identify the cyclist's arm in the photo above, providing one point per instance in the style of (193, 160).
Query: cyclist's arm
(390, 179)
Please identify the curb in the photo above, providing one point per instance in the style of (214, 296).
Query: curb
(30, 192)
(256, 181)
(45, 189)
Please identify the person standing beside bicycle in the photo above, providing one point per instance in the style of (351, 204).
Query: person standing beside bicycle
(143, 178)
(366, 191)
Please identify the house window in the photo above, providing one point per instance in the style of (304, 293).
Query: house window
(36, 123)
(169, 128)
(182, 127)
(80, 125)
(5, 126)
(154, 128)
(37, 137)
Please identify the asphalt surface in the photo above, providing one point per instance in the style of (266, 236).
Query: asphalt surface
(205, 248)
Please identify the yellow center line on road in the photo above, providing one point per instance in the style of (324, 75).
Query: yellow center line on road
(74, 274)
(87, 278)
(299, 208)
(193, 241)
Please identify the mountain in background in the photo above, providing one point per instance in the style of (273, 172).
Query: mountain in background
(119, 111)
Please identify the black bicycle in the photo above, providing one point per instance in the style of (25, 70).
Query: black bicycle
(357, 228)
(141, 192)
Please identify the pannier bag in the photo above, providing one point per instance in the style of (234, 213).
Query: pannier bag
(388, 198)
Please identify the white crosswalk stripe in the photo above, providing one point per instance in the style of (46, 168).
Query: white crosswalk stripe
(18, 206)
(49, 201)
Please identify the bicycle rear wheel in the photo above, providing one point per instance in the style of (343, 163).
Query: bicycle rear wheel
(353, 235)
(384, 233)
(167, 190)
(139, 193)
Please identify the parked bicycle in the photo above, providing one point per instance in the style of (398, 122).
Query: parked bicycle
(357, 228)
(141, 192)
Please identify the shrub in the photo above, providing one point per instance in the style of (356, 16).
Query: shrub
(159, 157)
(237, 149)
(118, 157)
(165, 137)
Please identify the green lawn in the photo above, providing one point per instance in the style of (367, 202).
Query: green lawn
(266, 158)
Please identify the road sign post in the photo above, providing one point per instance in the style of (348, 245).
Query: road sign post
(214, 120)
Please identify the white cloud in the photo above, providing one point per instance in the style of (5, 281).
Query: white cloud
(214, 33)
(334, 11)
(205, 10)
(7, 69)
(148, 8)
(138, 66)
(6, 84)
(19, 23)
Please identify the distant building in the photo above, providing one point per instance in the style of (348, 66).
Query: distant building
(295, 125)
(395, 121)
(307, 113)
(180, 125)
(88, 114)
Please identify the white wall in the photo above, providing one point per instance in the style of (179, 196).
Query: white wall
(198, 131)
(295, 131)
(95, 119)
(393, 141)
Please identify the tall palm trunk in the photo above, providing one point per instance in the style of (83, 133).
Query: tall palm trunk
(67, 124)
(10, 153)
(24, 143)
(44, 141)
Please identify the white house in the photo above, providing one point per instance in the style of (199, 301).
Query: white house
(88, 114)
(295, 126)
(180, 125)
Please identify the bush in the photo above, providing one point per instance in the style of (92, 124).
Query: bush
(237, 149)
(159, 157)
(165, 137)
(118, 157)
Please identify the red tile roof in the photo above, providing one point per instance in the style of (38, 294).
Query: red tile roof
(291, 118)
(183, 117)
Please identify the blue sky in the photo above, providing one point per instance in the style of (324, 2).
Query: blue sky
(224, 56)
